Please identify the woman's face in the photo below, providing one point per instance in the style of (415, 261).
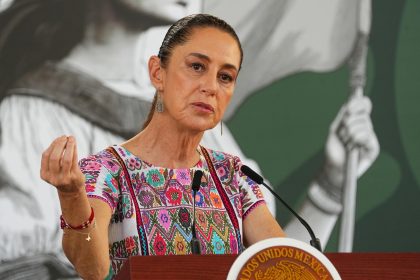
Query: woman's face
(198, 82)
(168, 10)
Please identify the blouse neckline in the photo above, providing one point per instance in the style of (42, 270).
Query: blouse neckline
(198, 164)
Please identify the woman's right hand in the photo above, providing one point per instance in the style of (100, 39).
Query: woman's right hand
(59, 166)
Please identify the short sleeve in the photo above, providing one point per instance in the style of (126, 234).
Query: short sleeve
(250, 192)
(101, 175)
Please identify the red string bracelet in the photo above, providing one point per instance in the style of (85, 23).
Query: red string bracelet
(64, 224)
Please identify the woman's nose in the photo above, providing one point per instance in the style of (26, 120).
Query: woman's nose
(209, 84)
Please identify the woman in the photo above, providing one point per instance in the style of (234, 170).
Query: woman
(194, 76)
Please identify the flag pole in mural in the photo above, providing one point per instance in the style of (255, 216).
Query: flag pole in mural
(357, 65)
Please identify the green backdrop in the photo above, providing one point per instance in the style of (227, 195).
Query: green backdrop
(292, 116)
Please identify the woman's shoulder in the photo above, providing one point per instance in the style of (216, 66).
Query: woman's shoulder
(220, 157)
(103, 159)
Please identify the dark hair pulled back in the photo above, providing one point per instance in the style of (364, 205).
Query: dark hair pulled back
(181, 30)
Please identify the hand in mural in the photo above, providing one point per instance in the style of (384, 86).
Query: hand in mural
(59, 166)
(352, 128)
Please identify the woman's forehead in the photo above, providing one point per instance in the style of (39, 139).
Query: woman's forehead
(211, 42)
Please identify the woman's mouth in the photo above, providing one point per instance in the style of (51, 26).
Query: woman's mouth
(203, 107)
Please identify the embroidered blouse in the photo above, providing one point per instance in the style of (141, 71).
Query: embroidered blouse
(152, 206)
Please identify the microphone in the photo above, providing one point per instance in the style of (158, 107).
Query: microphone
(195, 243)
(259, 180)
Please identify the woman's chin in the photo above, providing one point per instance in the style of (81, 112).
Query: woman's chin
(200, 127)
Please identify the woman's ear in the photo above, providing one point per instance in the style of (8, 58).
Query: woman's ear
(156, 72)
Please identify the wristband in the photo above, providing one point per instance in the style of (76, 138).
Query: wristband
(64, 224)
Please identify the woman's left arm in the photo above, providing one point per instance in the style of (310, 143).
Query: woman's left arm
(259, 224)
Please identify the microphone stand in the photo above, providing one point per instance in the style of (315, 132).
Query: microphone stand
(315, 242)
(259, 180)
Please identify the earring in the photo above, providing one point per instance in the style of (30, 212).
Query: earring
(221, 128)
(159, 104)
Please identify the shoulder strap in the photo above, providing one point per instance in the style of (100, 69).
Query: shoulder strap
(226, 202)
(139, 220)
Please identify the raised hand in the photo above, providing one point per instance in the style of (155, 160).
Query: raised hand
(59, 166)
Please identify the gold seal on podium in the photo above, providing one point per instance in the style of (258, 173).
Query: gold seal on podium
(282, 258)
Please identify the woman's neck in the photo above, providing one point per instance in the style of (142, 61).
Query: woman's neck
(166, 145)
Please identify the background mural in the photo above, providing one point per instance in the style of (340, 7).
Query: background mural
(288, 105)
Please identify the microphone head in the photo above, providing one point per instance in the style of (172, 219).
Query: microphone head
(252, 174)
(196, 180)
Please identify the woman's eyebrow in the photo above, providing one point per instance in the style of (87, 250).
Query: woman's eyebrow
(205, 57)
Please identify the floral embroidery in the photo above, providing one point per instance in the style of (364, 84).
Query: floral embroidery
(90, 188)
(183, 176)
(218, 244)
(180, 244)
(238, 205)
(146, 198)
(155, 178)
(233, 243)
(202, 220)
(123, 210)
(130, 245)
(174, 196)
(217, 218)
(159, 245)
(257, 191)
(249, 181)
(164, 218)
(126, 208)
(91, 176)
(184, 217)
(222, 172)
(92, 166)
(111, 166)
(199, 199)
(111, 183)
(216, 200)
(218, 156)
(126, 247)
(146, 220)
(131, 163)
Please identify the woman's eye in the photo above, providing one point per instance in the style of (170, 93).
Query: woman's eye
(197, 66)
(226, 78)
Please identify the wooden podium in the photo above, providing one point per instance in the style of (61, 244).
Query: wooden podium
(350, 266)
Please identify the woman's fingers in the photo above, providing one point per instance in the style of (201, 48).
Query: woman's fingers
(67, 158)
(59, 165)
(75, 158)
(45, 163)
(56, 154)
